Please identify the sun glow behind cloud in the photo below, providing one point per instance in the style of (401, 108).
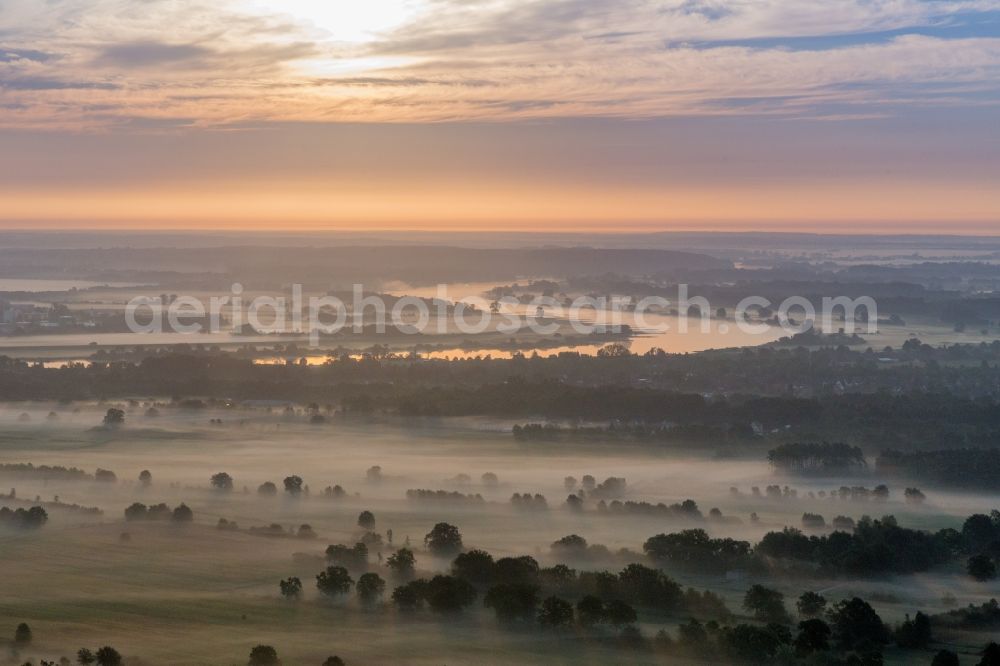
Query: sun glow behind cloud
(342, 20)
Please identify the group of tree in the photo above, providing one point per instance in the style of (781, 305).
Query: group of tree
(693, 549)
(849, 632)
(353, 557)
(140, 512)
(817, 458)
(451, 496)
(529, 502)
(43, 472)
(104, 656)
(267, 655)
(874, 547)
(685, 510)
(953, 406)
(23, 519)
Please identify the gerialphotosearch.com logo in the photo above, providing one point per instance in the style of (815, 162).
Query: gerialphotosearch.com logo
(361, 312)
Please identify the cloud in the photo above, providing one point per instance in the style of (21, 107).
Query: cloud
(11, 55)
(215, 64)
(147, 53)
(40, 83)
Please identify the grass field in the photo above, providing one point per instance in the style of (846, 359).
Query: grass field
(197, 595)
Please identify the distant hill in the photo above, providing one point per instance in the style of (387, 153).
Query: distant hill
(415, 264)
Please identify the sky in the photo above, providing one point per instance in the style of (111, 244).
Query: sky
(583, 115)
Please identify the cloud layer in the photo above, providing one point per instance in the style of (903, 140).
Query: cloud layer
(92, 64)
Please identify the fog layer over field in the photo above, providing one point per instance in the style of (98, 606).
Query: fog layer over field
(215, 591)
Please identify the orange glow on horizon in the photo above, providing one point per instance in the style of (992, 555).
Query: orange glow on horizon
(856, 207)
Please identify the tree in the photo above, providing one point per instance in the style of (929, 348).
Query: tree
(291, 588)
(811, 604)
(136, 511)
(22, 635)
(814, 636)
(370, 587)
(522, 569)
(293, 485)
(618, 613)
(447, 594)
(402, 562)
(146, 478)
(182, 514)
(366, 520)
(335, 581)
(267, 488)
(108, 656)
(444, 540)
(746, 643)
(978, 532)
(264, 655)
(572, 545)
(105, 476)
(475, 566)
(945, 658)
(555, 613)
(981, 567)
(693, 637)
(590, 610)
(915, 633)
(85, 657)
(991, 655)
(114, 417)
(512, 602)
(222, 481)
(410, 596)
(649, 587)
(353, 557)
(811, 457)
(767, 605)
(560, 575)
(856, 625)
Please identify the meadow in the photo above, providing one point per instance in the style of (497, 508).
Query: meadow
(195, 594)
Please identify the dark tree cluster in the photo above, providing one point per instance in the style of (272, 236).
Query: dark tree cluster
(443, 594)
(686, 510)
(353, 557)
(334, 492)
(695, 550)
(444, 496)
(817, 458)
(529, 502)
(444, 540)
(852, 633)
(23, 519)
(985, 616)
(875, 547)
(140, 512)
(43, 472)
(105, 656)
